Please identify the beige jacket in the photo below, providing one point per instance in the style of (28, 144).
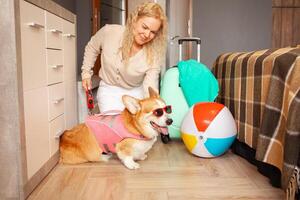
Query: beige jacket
(108, 41)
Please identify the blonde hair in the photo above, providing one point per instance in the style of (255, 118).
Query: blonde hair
(156, 48)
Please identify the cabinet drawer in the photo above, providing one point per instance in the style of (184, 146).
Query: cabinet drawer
(36, 129)
(53, 31)
(33, 46)
(55, 66)
(56, 127)
(56, 100)
(68, 29)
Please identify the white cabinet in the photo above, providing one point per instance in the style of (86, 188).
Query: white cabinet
(48, 47)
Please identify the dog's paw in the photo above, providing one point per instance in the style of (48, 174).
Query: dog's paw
(143, 157)
(132, 165)
(135, 165)
(106, 157)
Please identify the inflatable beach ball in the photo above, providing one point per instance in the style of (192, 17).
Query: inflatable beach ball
(208, 129)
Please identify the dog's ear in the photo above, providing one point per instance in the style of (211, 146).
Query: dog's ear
(131, 103)
(152, 92)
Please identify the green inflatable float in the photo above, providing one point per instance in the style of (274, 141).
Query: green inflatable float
(183, 86)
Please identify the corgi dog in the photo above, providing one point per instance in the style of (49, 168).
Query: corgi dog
(130, 133)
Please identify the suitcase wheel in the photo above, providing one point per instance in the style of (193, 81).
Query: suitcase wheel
(165, 138)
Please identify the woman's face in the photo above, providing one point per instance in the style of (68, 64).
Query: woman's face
(145, 29)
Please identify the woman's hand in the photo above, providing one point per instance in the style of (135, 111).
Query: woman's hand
(87, 84)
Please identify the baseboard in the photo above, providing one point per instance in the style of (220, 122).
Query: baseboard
(37, 178)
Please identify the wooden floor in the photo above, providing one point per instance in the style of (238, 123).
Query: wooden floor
(169, 172)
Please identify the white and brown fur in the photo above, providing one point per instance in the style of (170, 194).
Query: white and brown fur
(79, 145)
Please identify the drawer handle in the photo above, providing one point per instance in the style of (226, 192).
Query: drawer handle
(56, 66)
(58, 134)
(35, 25)
(69, 35)
(56, 101)
(55, 31)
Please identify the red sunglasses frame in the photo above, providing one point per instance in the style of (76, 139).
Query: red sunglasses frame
(160, 111)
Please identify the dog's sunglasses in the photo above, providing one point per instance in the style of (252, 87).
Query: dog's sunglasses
(160, 111)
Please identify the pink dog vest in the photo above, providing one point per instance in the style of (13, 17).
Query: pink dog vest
(109, 130)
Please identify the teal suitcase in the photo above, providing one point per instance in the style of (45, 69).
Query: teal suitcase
(172, 94)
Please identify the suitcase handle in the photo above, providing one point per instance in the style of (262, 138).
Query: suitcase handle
(189, 39)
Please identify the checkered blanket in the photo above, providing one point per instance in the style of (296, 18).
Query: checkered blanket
(262, 90)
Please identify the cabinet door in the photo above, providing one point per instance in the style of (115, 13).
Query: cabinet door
(33, 46)
(69, 60)
(36, 129)
(69, 51)
(71, 113)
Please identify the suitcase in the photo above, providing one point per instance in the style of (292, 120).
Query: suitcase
(172, 94)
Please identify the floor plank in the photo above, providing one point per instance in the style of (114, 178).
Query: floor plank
(169, 172)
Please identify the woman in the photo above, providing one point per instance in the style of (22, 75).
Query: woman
(131, 56)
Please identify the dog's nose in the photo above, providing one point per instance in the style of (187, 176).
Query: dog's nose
(169, 121)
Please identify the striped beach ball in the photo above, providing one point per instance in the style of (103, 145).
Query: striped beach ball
(208, 129)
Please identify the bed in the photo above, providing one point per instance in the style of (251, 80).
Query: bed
(262, 90)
